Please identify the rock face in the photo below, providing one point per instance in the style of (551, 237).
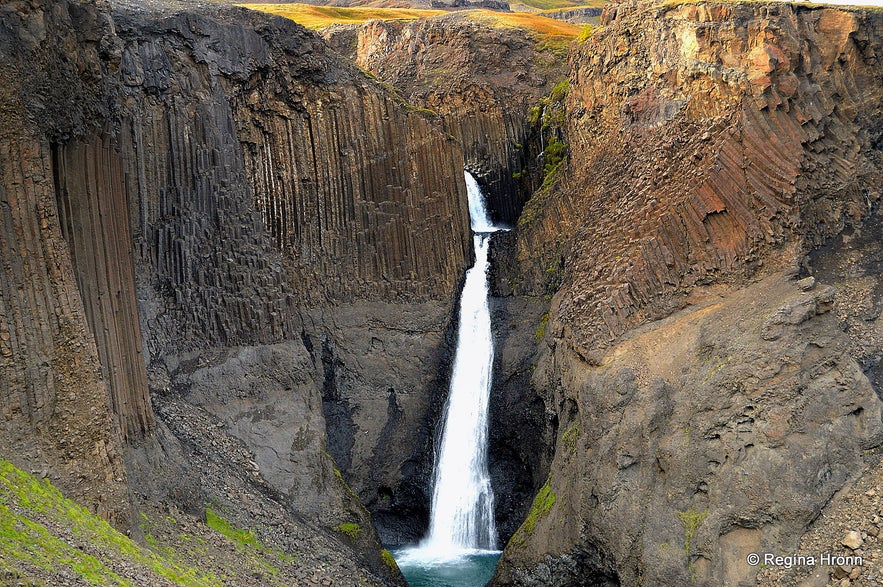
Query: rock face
(481, 80)
(189, 199)
(708, 405)
(57, 397)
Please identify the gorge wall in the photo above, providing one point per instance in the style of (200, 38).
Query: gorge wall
(709, 404)
(229, 261)
(481, 81)
(207, 216)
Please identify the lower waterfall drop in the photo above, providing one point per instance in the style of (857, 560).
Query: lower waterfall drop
(460, 548)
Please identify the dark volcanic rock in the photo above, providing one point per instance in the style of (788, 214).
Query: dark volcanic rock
(480, 80)
(175, 186)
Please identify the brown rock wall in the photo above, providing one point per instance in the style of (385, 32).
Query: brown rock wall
(93, 211)
(706, 166)
(708, 406)
(175, 187)
(57, 418)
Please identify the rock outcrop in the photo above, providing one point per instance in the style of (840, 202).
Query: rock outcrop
(708, 403)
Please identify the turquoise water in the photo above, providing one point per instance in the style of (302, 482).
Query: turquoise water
(468, 570)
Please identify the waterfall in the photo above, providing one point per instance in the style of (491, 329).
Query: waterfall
(478, 215)
(462, 513)
(462, 509)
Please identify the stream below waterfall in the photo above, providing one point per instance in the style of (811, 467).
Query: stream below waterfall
(460, 549)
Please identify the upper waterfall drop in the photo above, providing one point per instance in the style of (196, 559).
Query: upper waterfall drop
(478, 214)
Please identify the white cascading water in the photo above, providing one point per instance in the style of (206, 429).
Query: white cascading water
(462, 511)
(478, 216)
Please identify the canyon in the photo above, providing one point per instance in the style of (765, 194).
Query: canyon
(231, 251)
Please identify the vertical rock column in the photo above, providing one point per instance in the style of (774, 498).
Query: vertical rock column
(92, 207)
(55, 418)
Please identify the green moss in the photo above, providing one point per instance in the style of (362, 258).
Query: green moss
(243, 537)
(533, 115)
(388, 560)
(558, 46)
(541, 327)
(571, 437)
(542, 505)
(255, 553)
(24, 536)
(691, 520)
(350, 529)
(559, 92)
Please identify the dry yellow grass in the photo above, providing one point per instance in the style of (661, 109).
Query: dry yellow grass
(318, 17)
(543, 25)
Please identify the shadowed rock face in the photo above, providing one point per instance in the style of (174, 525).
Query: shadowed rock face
(708, 404)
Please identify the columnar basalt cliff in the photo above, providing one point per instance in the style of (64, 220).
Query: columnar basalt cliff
(709, 404)
(480, 79)
(56, 396)
(189, 201)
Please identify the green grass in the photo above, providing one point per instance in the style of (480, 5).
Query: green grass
(28, 505)
(243, 537)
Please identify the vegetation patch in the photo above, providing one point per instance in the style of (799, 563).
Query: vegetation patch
(542, 505)
(547, 28)
(541, 328)
(29, 507)
(545, 4)
(586, 33)
(557, 33)
(243, 537)
(319, 17)
(350, 529)
(691, 520)
(571, 437)
(388, 560)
